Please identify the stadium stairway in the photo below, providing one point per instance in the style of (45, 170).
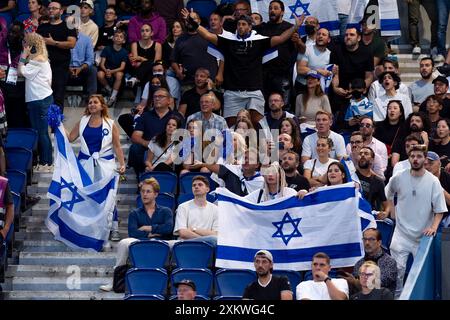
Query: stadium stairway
(42, 268)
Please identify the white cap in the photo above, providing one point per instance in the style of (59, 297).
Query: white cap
(264, 253)
(88, 2)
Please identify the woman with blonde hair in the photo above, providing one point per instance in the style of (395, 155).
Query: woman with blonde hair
(100, 140)
(370, 280)
(35, 68)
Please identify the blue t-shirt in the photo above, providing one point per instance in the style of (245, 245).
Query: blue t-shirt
(93, 138)
(114, 58)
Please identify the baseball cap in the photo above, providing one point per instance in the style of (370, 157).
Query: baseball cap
(264, 253)
(441, 79)
(314, 74)
(186, 282)
(433, 156)
(88, 2)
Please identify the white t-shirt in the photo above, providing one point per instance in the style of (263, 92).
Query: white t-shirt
(418, 198)
(190, 215)
(315, 59)
(317, 290)
(376, 90)
(400, 166)
(253, 197)
(38, 80)
(320, 168)
(380, 105)
(310, 142)
(157, 151)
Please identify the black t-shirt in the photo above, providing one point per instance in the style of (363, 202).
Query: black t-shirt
(351, 64)
(275, 123)
(373, 190)
(271, 292)
(59, 32)
(443, 150)
(298, 182)
(105, 36)
(375, 294)
(444, 179)
(388, 133)
(230, 25)
(243, 67)
(151, 124)
(282, 65)
(232, 181)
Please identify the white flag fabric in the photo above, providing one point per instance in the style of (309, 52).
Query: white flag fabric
(324, 10)
(80, 210)
(330, 219)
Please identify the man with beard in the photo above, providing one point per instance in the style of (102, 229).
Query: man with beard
(294, 180)
(372, 186)
(353, 61)
(241, 7)
(267, 286)
(419, 209)
(440, 88)
(422, 88)
(59, 39)
(380, 161)
(277, 73)
(410, 141)
(418, 124)
(372, 41)
(277, 114)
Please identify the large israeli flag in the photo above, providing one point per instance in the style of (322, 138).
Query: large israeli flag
(80, 210)
(330, 219)
(324, 10)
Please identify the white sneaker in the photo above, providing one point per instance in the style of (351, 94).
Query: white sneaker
(106, 287)
(439, 58)
(115, 235)
(417, 50)
(49, 168)
(36, 167)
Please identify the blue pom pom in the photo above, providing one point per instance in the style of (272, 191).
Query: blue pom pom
(54, 116)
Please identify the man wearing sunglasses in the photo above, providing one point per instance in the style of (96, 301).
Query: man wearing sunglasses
(322, 287)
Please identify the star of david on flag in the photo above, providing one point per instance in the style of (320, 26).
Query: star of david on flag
(80, 210)
(280, 233)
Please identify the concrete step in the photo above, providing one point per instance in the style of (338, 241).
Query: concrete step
(68, 282)
(58, 271)
(62, 295)
(67, 258)
(42, 187)
(125, 204)
(47, 177)
(40, 220)
(20, 236)
(52, 246)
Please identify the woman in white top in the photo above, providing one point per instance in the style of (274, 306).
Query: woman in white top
(160, 148)
(35, 68)
(315, 169)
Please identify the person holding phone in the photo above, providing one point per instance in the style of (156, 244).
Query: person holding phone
(34, 65)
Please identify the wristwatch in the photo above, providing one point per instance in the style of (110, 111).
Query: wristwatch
(326, 279)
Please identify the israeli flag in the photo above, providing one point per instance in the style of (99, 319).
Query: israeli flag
(324, 10)
(325, 82)
(80, 210)
(327, 220)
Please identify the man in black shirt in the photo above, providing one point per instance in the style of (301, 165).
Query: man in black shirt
(372, 186)
(243, 53)
(294, 180)
(59, 39)
(267, 286)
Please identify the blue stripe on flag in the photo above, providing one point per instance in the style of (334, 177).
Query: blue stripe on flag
(55, 188)
(85, 179)
(390, 24)
(329, 25)
(290, 256)
(320, 197)
(100, 195)
(74, 237)
(60, 143)
(364, 205)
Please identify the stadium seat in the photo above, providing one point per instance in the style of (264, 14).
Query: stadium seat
(186, 181)
(203, 279)
(164, 199)
(232, 282)
(203, 7)
(149, 254)
(192, 254)
(17, 180)
(167, 180)
(183, 197)
(17, 205)
(386, 228)
(22, 138)
(144, 297)
(294, 277)
(146, 281)
(18, 158)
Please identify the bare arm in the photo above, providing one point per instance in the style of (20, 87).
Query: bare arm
(276, 40)
(148, 161)
(431, 231)
(158, 52)
(368, 79)
(335, 293)
(118, 148)
(287, 295)
(136, 137)
(74, 134)
(395, 159)
(203, 32)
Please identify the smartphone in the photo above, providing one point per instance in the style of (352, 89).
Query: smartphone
(33, 50)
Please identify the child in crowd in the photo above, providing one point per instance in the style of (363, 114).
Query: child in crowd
(359, 106)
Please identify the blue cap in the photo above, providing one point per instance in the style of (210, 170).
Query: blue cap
(314, 74)
(433, 156)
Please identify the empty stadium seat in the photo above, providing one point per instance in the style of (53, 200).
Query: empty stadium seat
(294, 277)
(186, 181)
(22, 138)
(149, 254)
(167, 180)
(192, 254)
(144, 297)
(232, 282)
(203, 7)
(18, 158)
(17, 180)
(386, 228)
(146, 281)
(203, 279)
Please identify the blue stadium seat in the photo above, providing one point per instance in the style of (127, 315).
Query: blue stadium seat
(17, 209)
(203, 7)
(232, 282)
(22, 138)
(144, 297)
(192, 254)
(146, 281)
(294, 277)
(197, 297)
(17, 180)
(203, 279)
(167, 180)
(164, 199)
(308, 275)
(22, 6)
(186, 181)
(183, 197)
(386, 228)
(149, 254)
(19, 158)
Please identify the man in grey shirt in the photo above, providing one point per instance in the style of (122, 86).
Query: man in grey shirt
(422, 88)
